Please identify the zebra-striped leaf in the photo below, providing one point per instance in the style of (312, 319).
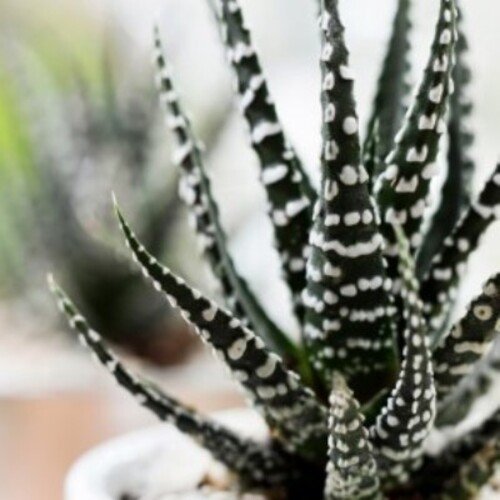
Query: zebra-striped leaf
(197, 193)
(468, 339)
(440, 285)
(456, 190)
(402, 426)
(255, 463)
(351, 468)
(289, 192)
(402, 189)
(347, 321)
(459, 402)
(287, 405)
(392, 94)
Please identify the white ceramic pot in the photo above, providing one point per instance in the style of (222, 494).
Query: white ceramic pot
(160, 463)
(156, 463)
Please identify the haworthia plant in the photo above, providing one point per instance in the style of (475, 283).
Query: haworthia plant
(351, 406)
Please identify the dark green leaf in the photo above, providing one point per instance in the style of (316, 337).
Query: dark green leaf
(392, 94)
(288, 190)
(403, 425)
(257, 464)
(403, 188)
(351, 468)
(197, 193)
(468, 340)
(456, 190)
(288, 406)
(348, 309)
(473, 386)
(440, 285)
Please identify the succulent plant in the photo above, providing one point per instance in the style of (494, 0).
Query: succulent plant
(373, 273)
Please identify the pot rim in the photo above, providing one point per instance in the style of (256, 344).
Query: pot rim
(91, 475)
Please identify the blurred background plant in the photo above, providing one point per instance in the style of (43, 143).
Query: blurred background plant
(74, 127)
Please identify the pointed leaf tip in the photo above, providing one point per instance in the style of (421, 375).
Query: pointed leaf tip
(440, 284)
(278, 392)
(348, 309)
(402, 427)
(288, 189)
(402, 190)
(351, 469)
(257, 464)
(196, 192)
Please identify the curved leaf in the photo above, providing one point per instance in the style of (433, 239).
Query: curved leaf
(468, 339)
(197, 193)
(402, 189)
(456, 190)
(393, 91)
(256, 463)
(289, 192)
(400, 430)
(440, 285)
(459, 403)
(288, 406)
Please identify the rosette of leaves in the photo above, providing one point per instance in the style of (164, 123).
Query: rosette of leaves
(379, 366)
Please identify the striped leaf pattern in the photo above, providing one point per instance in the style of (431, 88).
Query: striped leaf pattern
(351, 469)
(257, 464)
(477, 384)
(400, 430)
(403, 188)
(348, 307)
(456, 190)
(392, 94)
(277, 392)
(469, 339)
(197, 194)
(440, 285)
(290, 195)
